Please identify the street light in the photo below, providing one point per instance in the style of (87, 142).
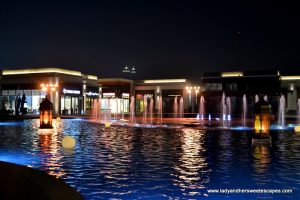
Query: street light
(49, 87)
(190, 90)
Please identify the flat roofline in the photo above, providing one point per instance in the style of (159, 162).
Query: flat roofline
(46, 70)
(40, 71)
(115, 80)
(164, 81)
(290, 78)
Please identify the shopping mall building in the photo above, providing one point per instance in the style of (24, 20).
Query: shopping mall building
(74, 93)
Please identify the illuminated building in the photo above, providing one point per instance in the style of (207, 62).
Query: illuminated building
(70, 91)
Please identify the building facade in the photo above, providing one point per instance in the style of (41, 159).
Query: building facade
(70, 91)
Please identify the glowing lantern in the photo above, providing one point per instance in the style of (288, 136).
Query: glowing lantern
(68, 142)
(46, 109)
(297, 129)
(262, 111)
(107, 124)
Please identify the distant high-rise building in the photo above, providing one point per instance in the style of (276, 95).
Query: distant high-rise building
(126, 69)
(133, 70)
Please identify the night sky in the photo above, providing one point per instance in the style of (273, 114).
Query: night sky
(162, 39)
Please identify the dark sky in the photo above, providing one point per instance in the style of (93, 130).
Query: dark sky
(162, 39)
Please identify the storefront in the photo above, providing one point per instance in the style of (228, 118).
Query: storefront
(71, 92)
(9, 99)
(71, 100)
(116, 93)
(140, 97)
(92, 95)
(115, 104)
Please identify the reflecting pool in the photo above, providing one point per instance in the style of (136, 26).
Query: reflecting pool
(146, 163)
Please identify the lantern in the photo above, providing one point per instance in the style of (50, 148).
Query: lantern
(46, 109)
(262, 111)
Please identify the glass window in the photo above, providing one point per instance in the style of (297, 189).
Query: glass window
(4, 92)
(27, 92)
(35, 104)
(12, 92)
(35, 92)
(20, 92)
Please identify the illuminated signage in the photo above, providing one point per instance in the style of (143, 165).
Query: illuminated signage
(109, 95)
(66, 91)
(125, 95)
(92, 93)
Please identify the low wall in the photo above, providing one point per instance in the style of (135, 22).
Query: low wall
(20, 182)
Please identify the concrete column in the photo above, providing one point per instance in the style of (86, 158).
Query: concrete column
(57, 100)
(292, 100)
(84, 96)
(53, 95)
(157, 95)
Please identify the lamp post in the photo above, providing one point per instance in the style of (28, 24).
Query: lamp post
(48, 87)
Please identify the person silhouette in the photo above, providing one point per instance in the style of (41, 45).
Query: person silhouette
(18, 104)
(23, 101)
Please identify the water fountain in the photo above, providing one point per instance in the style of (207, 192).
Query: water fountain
(175, 107)
(228, 107)
(244, 110)
(160, 109)
(201, 108)
(281, 114)
(223, 108)
(266, 98)
(132, 113)
(145, 109)
(256, 98)
(95, 111)
(209, 119)
(151, 111)
(181, 111)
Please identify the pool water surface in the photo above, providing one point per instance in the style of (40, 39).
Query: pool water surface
(151, 163)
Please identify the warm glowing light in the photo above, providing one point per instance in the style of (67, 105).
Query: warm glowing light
(231, 74)
(107, 124)
(166, 81)
(297, 129)
(46, 117)
(290, 78)
(257, 123)
(41, 70)
(92, 77)
(68, 142)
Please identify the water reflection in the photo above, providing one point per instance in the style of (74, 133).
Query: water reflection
(191, 171)
(49, 143)
(261, 164)
(140, 163)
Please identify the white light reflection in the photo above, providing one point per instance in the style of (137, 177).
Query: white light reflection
(192, 171)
